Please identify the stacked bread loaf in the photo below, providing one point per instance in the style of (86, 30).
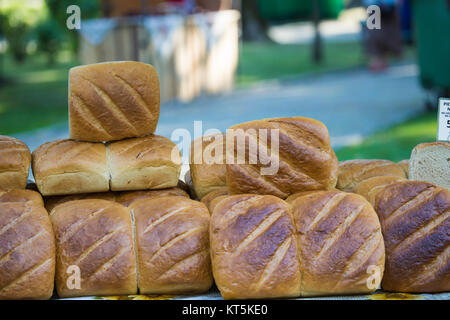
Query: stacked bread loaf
(15, 159)
(116, 220)
(27, 247)
(113, 113)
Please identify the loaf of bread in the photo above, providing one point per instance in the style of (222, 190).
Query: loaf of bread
(95, 238)
(352, 172)
(341, 249)
(19, 195)
(27, 251)
(15, 159)
(305, 160)
(210, 196)
(369, 188)
(143, 163)
(294, 196)
(253, 248)
(69, 167)
(112, 101)
(431, 162)
(53, 201)
(207, 164)
(128, 198)
(405, 166)
(415, 218)
(172, 242)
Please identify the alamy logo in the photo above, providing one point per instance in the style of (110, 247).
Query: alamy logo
(74, 280)
(374, 279)
(74, 20)
(374, 19)
(238, 146)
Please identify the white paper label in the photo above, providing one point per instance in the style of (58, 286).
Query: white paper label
(444, 120)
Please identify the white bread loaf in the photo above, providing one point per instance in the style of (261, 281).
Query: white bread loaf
(69, 167)
(172, 244)
(15, 159)
(143, 163)
(207, 177)
(96, 236)
(305, 159)
(253, 248)
(113, 100)
(27, 251)
(430, 162)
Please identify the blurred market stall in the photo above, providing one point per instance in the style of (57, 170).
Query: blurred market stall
(194, 53)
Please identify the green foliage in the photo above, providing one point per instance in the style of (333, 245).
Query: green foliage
(58, 11)
(49, 37)
(17, 37)
(17, 20)
(36, 96)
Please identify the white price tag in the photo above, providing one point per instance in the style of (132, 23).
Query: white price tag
(444, 120)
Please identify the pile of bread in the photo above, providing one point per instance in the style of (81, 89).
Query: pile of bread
(109, 216)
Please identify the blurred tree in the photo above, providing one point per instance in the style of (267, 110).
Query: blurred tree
(2, 54)
(317, 54)
(19, 17)
(17, 36)
(254, 27)
(57, 9)
(49, 37)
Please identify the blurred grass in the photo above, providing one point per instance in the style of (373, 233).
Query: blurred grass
(34, 94)
(262, 61)
(394, 143)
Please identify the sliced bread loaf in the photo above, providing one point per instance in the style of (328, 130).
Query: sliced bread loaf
(431, 162)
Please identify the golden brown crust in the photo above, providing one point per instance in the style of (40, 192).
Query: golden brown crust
(19, 195)
(210, 196)
(253, 248)
(306, 159)
(207, 175)
(172, 243)
(143, 163)
(27, 251)
(52, 202)
(95, 235)
(70, 167)
(128, 198)
(113, 101)
(370, 187)
(405, 166)
(15, 159)
(215, 202)
(415, 218)
(294, 196)
(431, 144)
(352, 172)
(339, 238)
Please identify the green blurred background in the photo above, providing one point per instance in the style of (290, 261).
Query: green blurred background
(36, 51)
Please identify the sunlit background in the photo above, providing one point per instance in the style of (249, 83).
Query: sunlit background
(227, 61)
